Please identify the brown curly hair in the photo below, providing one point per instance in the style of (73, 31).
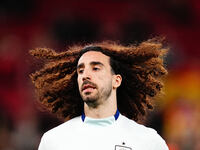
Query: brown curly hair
(141, 68)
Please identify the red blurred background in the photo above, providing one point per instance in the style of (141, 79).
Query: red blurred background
(25, 25)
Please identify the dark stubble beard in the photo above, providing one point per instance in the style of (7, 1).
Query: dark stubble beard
(98, 98)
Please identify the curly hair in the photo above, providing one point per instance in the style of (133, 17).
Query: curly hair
(141, 67)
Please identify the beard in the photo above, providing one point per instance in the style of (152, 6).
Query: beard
(91, 100)
(97, 96)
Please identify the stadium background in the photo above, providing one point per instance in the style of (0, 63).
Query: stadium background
(27, 24)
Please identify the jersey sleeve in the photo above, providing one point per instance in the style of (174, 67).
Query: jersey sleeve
(160, 143)
(42, 145)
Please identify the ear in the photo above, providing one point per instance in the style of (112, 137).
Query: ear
(117, 80)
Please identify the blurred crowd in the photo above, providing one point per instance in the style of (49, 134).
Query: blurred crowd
(25, 25)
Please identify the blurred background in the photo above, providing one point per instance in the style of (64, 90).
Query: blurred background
(27, 24)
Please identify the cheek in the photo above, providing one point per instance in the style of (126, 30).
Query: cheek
(79, 82)
(104, 80)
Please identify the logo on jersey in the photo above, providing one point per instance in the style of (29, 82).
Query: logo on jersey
(119, 147)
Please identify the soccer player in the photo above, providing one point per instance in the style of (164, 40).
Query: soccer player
(101, 91)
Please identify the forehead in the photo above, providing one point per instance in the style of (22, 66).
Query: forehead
(94, 56)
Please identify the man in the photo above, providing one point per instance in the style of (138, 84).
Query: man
(114, 81)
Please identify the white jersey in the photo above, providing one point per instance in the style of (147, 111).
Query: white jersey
(102, 134)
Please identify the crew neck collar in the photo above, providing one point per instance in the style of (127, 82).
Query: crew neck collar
(102, 121)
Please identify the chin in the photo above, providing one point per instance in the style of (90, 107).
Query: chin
(89, 96)
(92, 103)
(89, 99)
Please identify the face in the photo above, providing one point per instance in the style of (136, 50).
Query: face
(94, 77)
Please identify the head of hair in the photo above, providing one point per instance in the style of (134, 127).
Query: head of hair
(141, 67)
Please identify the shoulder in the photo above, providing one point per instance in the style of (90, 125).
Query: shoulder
(59, 135)
(132, 125)
(65, 127)
(142, 132)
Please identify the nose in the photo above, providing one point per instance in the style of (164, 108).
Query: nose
(86, 75)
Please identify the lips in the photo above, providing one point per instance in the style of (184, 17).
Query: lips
(87, 86)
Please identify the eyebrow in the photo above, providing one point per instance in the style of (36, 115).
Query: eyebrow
(81, 65)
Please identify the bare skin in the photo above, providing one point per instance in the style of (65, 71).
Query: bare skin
(97, 84)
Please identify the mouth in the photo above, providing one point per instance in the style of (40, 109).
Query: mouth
(88, 86)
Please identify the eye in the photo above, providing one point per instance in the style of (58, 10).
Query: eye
(80, 71)
(96, 68)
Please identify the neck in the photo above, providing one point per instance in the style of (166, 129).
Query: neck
(106, 109)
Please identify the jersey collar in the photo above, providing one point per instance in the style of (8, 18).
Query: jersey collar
(115, 116)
